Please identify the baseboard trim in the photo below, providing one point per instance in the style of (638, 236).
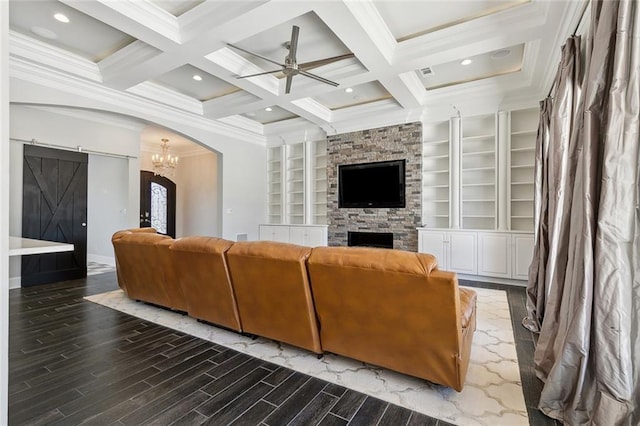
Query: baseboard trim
(107, 260)
(15, 282)
(495, 280)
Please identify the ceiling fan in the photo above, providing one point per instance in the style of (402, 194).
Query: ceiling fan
(291, 67)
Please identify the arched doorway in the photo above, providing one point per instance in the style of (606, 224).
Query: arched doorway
(157, 203)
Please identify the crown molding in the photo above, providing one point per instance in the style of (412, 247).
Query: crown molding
(161, 94)
(243, 123)
(22, 46)
(123, 102)
(231, 104)
(87, 115)
(293, 131)
(383, 113)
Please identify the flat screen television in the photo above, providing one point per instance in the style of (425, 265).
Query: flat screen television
(379, 184)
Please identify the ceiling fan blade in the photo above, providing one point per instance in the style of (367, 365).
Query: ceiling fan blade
(289, 81)
(293, 46)
(317, 77)
(260, 73)
(325, 61)
(254, 54)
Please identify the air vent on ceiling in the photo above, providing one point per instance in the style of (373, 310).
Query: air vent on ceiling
(427, 71)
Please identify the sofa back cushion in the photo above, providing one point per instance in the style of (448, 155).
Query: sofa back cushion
(391, 308)
(272, 287)
(204, 278)
(139, 267)
(116, 236)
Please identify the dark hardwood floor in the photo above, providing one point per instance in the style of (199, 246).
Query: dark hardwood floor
(73, 361)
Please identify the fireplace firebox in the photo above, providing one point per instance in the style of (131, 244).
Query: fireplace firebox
(370, 239)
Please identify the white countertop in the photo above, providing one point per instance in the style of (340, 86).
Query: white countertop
(21, 246)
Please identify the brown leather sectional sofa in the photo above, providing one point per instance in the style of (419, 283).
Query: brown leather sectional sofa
(389, 308)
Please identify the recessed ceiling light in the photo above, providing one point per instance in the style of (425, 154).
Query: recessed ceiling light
(268, 109)
(44, 32)
(196, 77)
(466, 62)
(61, 17)
(348, 90)
(500, 53)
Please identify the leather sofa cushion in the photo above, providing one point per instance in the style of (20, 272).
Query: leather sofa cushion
(468, 299)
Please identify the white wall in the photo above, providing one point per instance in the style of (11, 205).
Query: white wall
(109, 184)
(197, 196)
(107, 204)
(197, 193)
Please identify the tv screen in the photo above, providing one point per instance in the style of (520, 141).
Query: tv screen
(378, 184)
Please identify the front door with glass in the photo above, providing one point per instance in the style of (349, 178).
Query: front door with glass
(157, 203)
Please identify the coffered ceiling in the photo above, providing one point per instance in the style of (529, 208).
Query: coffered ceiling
(400, 60)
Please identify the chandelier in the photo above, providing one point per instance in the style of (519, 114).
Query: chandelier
(164, 164)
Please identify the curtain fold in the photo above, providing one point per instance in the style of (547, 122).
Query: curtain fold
(587, 306)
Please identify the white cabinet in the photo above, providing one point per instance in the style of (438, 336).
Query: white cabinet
(483, 254)
(522, 255)
(303, 235)
(274, 233)
(494, 254)
(454, 251)
(308, 235)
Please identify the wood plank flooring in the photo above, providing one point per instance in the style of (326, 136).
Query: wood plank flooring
(73, 362)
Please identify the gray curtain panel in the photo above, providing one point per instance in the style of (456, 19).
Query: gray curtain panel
(588, 352)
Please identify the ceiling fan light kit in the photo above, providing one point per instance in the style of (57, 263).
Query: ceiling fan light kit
(291, 68)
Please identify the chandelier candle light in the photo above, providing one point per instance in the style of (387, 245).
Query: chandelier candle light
(164, 164)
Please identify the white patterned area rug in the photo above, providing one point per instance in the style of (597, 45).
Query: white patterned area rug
(492, 394)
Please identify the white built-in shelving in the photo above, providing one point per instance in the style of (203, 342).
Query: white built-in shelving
(523, 131)
(275, 184)
(319, 182)
(435, 174)
(295, 197)
(478, 172)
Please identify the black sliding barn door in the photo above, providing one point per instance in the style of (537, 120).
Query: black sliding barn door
(54, 208)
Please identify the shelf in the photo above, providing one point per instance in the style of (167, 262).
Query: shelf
(523, 149)
(434, 157)
(437, 215)
(478, 216)
(436, 142)
(522, 200)
(478, 184)
(476, 169)
(479, 153)
(480, 201)
(435, 171)
(524, 132)
(297, 169)
(477, 137)
(436, 186)
(295, 181)
(524, 166)
(521, 217)
(522, 183)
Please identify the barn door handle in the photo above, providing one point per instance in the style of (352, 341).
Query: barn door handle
(84, 223)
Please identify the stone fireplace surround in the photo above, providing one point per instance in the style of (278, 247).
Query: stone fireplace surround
(388, 143)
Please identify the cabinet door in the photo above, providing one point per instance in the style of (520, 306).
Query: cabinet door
(281, 234)
(433, 242)
(265, 233)
(315, 237)
(462, 252)
(522, 255)
(298, 235)
(494, 255)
